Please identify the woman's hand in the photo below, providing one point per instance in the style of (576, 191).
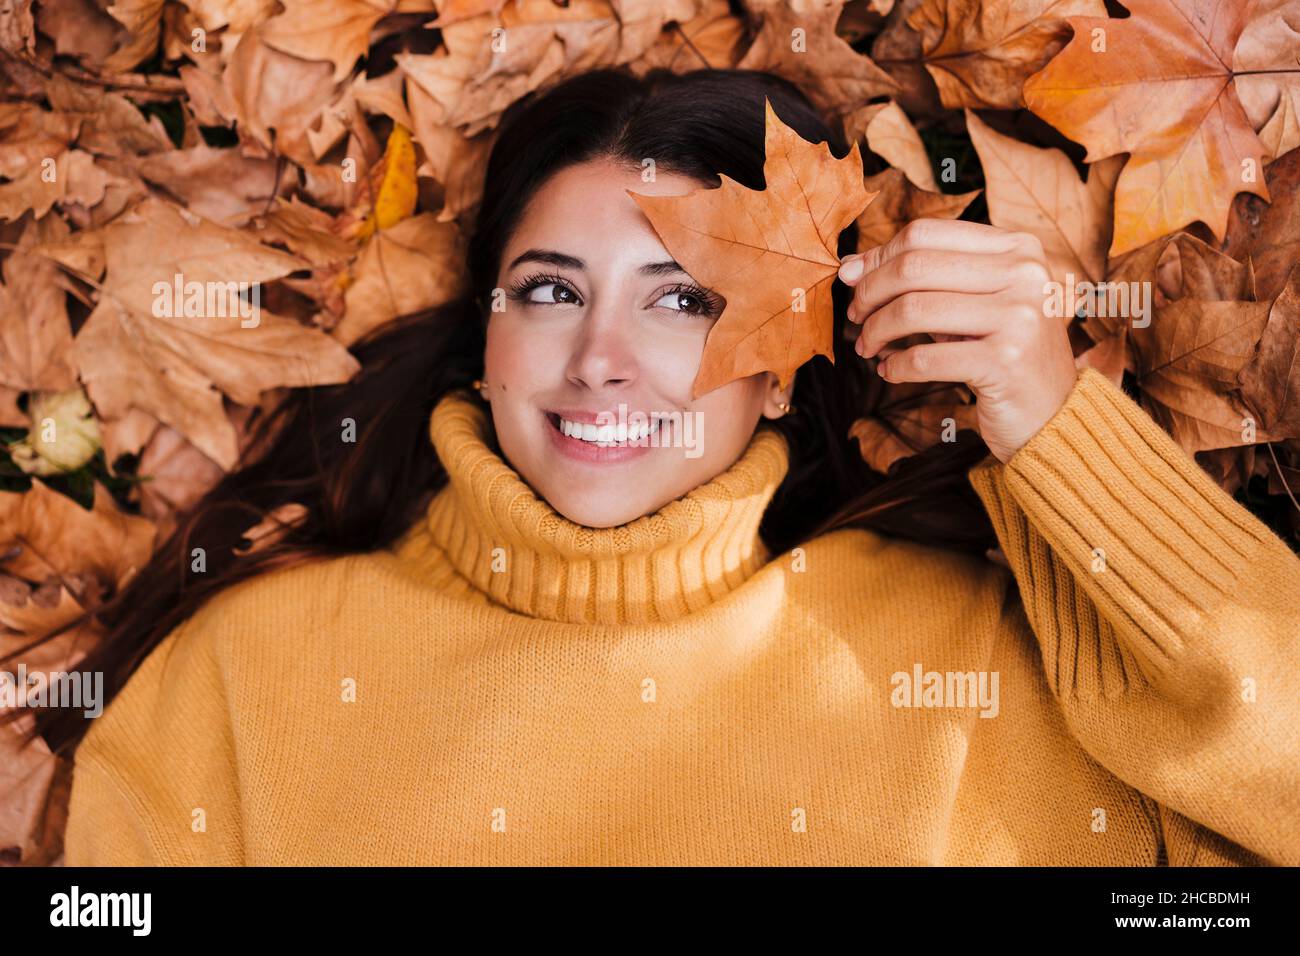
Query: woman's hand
(979, 291)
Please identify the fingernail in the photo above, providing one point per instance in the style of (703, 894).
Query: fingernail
(851, 269)
(858, 345)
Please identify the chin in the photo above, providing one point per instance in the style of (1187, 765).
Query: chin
(591, 514)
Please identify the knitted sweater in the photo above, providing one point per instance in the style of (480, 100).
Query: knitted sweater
(504, 686)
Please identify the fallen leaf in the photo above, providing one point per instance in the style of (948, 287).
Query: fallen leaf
(1038, 191)
(797, 40)
(1158, 88)
(1266, 63)
(35, 337)
(771, 254)
(980, 52)
(898, 203)
(892, 137)
(167, 364)
(1269, 233)
(333, 30)
(415, 265)
(1270, 381)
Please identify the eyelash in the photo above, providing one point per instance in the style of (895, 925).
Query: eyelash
(520, 288)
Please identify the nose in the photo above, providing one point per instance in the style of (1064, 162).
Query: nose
(604, 354)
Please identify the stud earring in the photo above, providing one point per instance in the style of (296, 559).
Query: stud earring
(480, 386)
(784, 407)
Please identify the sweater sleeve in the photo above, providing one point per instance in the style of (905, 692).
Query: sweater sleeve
(1168, 618)
(154, 780)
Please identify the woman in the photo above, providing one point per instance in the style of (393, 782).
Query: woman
(534, 645)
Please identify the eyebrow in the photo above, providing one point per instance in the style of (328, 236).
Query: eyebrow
(553, 258)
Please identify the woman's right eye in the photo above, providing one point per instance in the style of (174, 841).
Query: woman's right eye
(551, 293)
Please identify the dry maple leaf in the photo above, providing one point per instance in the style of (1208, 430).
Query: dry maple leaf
(1269, 233)
(167, 364)
(770, 253)
(892, 137)
(834, 75)
(1205, 330)
(334, 30)
(1038, 191)
(414, 265)
(980, 51)
(1270, 381)
(1267, 67)
(911, 421)
(35, 338)
(44, 535)
(714, 38)
(898, 203)
(1158, 86)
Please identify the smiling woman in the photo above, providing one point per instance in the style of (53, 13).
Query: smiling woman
(530, 634)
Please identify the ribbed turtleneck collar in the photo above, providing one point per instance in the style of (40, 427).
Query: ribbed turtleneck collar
(659, 567)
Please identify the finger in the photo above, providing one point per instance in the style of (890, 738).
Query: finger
(963, 361)
(928, 270)
(934, 313)
(949, 235)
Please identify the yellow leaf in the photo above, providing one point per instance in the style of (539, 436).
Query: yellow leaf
(398, 190)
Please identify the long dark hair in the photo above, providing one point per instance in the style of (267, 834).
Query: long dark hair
(361, 496)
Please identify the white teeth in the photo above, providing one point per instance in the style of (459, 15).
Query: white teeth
(608, 434)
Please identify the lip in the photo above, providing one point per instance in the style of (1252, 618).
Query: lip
(585, 451)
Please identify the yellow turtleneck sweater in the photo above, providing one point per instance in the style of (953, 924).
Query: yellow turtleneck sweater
(507, 687)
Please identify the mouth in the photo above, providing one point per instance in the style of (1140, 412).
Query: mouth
(606, 436)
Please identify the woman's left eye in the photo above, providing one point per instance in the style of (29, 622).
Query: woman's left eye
(696, 304)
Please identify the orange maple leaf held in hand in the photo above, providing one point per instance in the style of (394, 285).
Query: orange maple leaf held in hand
(1158, 86)
(770, 253)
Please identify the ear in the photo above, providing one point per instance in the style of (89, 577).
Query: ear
(774, 394)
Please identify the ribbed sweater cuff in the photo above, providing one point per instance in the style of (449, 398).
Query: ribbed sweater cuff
(1154, 543)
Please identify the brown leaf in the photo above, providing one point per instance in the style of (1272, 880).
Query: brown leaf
(910, 428)
(1270, 381)
(1269, 54)
(835, 76)
(177, 474)
(414, 265)
(713, 38)
(898, 203)
(1187, 363)
(44, 535)
(458, 163)
(892, 137)
(168, 364)
(1162, 92)
(275, 98)
(143, 22)
(474, 83)
(72, 177)
(980, 52)
(35, 338)
(221, 185)
(333, 30)
(1269, 233)
(771, 254)
(1037, 191)
(1109, 356)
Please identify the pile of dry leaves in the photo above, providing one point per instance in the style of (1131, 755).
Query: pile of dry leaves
(331, 152)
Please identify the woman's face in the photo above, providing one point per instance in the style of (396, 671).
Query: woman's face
(595, 324)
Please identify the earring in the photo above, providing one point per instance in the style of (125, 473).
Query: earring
(784, 407)
(480, 386)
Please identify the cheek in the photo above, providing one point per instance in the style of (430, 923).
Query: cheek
(731, 413)
(511, 357)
